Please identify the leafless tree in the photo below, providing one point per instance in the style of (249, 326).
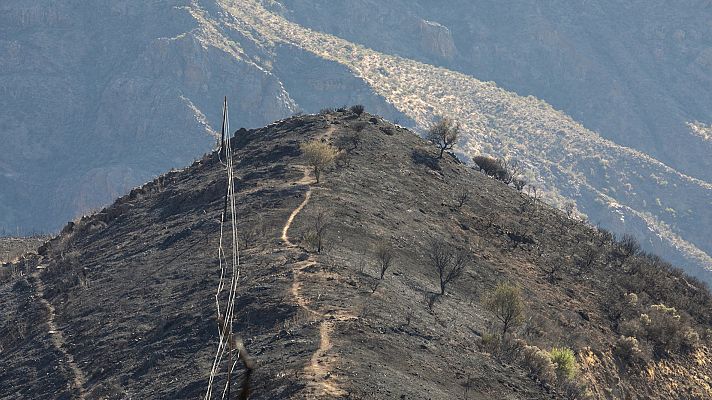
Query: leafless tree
(462, 196)
(444, 134)
(569, 209)
(316, 234)
(357, 109)
(511, 170)
(629, 246)
(449, 262)
(469, 384)
(589, 257)
(351, 140)
(384, 255)
(534, 198)
(361, 263)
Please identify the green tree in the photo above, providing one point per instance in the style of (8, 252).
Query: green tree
(505, 301)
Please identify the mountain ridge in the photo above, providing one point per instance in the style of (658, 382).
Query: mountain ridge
(138, 278)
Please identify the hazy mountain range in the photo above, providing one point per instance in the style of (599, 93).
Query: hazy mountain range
(96, 98)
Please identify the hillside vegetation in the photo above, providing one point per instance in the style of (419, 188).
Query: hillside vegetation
(341, 291)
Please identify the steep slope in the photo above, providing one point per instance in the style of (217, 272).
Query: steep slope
(123, 302)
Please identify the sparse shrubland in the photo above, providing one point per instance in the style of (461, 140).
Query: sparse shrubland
(382, 206)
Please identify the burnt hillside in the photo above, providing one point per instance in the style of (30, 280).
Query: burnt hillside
(122, 303)
(13, 247)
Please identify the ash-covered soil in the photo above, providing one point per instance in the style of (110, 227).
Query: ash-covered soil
(13, 247)
(123, 302)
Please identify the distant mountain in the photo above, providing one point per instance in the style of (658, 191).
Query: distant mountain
(122, 304)
(98, 98)
(636, 72)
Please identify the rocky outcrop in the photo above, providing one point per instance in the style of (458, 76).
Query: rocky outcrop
(436, 40)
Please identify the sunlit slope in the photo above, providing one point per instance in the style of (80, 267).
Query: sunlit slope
(615, 185)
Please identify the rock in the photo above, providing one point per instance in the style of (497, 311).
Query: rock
(436, 40)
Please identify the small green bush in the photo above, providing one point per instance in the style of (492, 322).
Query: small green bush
(565, 362)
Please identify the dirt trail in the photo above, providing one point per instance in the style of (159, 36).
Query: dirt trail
(57, 338)
(321, 380)
(307, 196)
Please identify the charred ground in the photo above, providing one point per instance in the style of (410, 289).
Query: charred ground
(130, 291)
